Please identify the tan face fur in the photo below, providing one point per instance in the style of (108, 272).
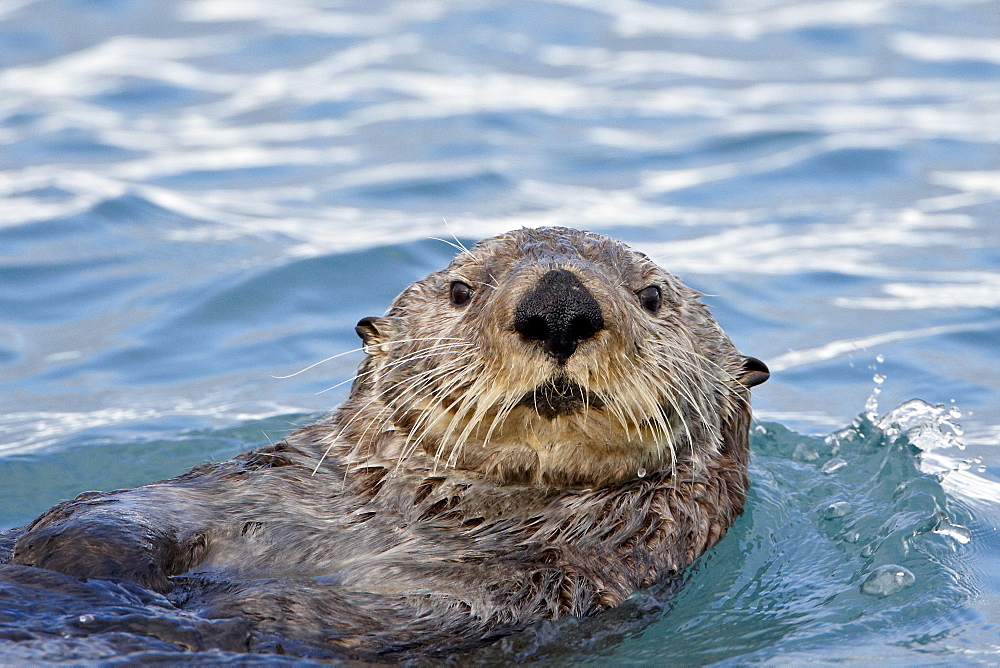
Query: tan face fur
(464, 375)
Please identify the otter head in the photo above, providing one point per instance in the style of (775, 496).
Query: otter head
(553, 357)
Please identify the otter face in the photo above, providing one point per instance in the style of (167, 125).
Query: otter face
(554, 357)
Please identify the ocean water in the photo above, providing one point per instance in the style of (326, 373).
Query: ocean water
(201, 197)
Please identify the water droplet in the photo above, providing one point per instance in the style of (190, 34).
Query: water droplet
(85, 619)
(641, 473)
(852, 537)
(880, 358)
(887, 580)
(954, 531)
(878, 378)
(981, 469)
(834, 464)
(838, 509)
(964, 465)
(871, 404)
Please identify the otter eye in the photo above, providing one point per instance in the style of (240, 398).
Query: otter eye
(650, 297)
(460, 294)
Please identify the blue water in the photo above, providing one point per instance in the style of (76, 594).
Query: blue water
(199, 197)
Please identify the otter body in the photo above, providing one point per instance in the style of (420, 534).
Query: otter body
(541, 429)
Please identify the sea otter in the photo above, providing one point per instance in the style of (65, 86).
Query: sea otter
(541, 429)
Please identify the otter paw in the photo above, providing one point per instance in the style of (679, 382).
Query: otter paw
(95, 550)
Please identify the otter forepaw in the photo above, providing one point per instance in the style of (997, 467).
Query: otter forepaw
(97, 550)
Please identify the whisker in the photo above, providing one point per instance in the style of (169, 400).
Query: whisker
(357, 350)
(316, 364)
(420, 355)
(458, 243)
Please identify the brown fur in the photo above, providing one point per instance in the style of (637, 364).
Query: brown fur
(471, 485)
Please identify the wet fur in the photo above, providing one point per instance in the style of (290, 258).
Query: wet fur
(437, 510)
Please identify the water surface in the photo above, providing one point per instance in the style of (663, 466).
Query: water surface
(198, 197)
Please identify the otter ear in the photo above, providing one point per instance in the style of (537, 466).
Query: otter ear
(368, 330)
(754, 372)
(374, 332)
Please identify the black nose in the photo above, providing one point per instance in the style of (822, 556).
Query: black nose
(559, 313)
